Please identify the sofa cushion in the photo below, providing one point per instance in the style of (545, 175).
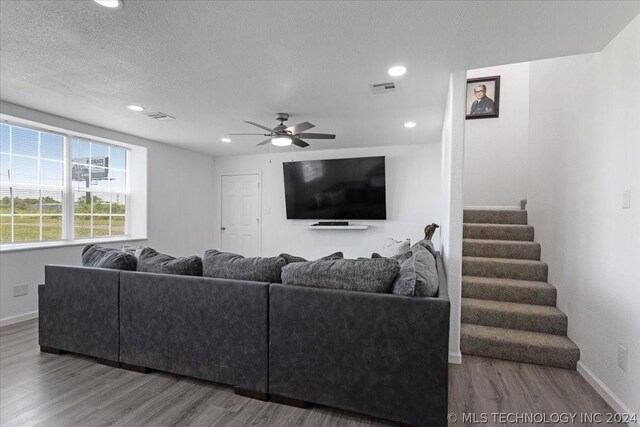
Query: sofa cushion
(226, 265)
(400, 258)
(366, 275)
(418, 275)
(292, 258)
(393, 247)
(152, 261)
(102, 257)
(426, 244)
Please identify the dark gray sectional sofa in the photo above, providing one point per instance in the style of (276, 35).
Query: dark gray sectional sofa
(379, 354)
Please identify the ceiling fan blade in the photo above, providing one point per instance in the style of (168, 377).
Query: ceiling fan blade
(317, 135)
(260, 126)
(300, 127)
(266, 141)
(299, 142)
(246, 134)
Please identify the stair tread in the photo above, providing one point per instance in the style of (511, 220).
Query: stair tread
(491, 224)
(501, 242)
(512, 308)
(507, 282)
(516, 336)
(512, 261)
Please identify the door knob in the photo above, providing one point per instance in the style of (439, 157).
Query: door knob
(222, 228)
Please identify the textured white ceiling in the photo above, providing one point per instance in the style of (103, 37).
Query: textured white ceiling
(214, 64)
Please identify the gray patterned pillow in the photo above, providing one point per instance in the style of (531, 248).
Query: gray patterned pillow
(400, 258)
(225, 265)
(103, 257)
(367, 275)
(292, 258)
(152, 261)
(426, 244)
(418, 276)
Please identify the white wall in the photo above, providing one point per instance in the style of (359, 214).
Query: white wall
(179, 204)
(584, 151)
(496, 149)
(452, 209)
(413, 201)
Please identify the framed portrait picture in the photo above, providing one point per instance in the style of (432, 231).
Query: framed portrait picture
(483, 97)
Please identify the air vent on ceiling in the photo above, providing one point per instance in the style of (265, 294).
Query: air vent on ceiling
(383, 87)
(160, 116)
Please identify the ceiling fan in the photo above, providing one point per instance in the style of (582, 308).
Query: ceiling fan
(281, 135)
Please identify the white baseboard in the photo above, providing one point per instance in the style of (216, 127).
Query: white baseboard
(17, 319)
(609, 396)
(498, 208)
(455, 357)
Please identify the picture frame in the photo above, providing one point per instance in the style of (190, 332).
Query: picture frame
(483, 98)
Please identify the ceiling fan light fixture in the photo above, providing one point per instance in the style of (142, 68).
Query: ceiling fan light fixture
(110, 4)
(281, 141)
(397, 70)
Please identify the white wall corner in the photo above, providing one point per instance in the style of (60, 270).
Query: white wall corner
(452, 198)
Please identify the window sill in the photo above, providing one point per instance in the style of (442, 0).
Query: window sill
(17, 247)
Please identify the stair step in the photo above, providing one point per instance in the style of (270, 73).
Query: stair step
(494, 216)
(505, 268)
(501, 249)
(509, 315)
(498, 232)
(519, 346)
(509, 290)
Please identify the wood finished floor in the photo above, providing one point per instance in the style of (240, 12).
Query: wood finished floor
(70, 390)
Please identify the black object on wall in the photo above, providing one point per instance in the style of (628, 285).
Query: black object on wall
(336, 189)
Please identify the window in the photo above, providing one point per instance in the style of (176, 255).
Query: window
(57, 187)
(99, 176)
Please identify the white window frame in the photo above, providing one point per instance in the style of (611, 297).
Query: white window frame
(68, 191)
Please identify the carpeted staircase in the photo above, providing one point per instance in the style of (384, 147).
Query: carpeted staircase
(508, 308)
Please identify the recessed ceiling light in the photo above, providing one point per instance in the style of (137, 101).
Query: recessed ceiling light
(135, 108)
(410, 124)
(281, 141)
(225, 140)
(111, 4)
(397, 71)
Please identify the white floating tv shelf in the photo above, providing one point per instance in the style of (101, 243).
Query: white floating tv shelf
(338, 227)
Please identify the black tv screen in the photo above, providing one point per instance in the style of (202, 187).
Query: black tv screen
(336, 189)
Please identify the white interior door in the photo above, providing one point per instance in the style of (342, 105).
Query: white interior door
(240, 230)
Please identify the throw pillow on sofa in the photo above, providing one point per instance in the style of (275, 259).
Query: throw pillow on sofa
(152, 261)
(393, 247)
(366, 275)
(400, 258)
(225, 265)
(418, 275)
(103, 257)
(292, 258)
(426, 244)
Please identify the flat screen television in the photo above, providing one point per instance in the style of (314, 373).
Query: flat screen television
(336, 189)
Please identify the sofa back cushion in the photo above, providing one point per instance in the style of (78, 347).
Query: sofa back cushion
(292, 258)
(425, 244)
(152, 261)
(102, 257)
(364, 275)
(226, 265)
(418, 275)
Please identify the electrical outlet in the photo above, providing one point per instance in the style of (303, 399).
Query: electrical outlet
(20, 290)
(626, 199)
(622, 358)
